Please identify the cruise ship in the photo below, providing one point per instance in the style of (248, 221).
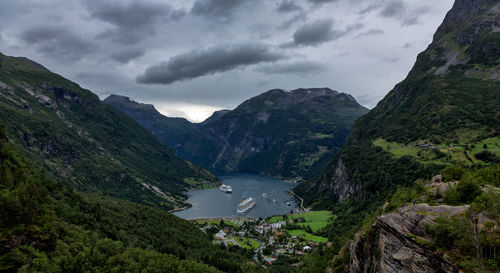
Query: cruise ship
(226, 188)
(245, 205)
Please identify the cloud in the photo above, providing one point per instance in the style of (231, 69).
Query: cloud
(300, 68)
(57, 42)
(413, 17)
(126, 55)
(371, 32)
(315, 33)
(216, 9)
(393, 8)
(319, 2)
(208, 61)
(319, 32)
(132, 20)
(288, 6)
(402, 11)
(295, 19)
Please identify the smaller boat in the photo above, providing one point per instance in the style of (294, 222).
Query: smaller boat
(264, 195)
(225, 188)
(288, 203)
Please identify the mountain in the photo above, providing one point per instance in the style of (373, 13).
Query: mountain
(450, 99)
(71, 133)
(169, 131)
(443, 115)
(46, 226)
(282, 133)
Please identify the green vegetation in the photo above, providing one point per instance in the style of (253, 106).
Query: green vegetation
(49, 228)
(315, 220)
(71, 133)
(307, 236)
(463, 153)
(471, 245)
(450, 108)
(247, 242)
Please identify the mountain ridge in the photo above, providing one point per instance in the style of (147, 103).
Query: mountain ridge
(70, 132)
(257, 131)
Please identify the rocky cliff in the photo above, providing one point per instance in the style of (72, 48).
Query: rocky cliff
(398, 242)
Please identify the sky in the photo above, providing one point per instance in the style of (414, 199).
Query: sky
(192, 57)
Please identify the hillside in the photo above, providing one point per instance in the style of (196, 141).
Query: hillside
(48, 227)
(290, 134)
(71, 133)
(449, 102)
(445, 112)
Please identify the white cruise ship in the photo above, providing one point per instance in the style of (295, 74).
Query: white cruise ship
(245, 205)
(226, 188)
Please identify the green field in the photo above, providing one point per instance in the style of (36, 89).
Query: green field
(315, 219)
(307, 236)
(444, 153)
(247, 242)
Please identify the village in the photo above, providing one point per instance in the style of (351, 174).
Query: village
(270, 238)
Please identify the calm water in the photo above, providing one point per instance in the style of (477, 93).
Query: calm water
(214, 203)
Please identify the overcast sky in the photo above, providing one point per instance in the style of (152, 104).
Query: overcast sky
(191, 57)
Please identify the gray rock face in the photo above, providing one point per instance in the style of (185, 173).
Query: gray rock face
(392, 243)
(341, 183)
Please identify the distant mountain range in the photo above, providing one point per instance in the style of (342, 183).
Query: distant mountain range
(290, 134)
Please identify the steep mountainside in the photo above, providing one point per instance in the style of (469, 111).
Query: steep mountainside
(290, 134)
(445, 111)
(70, 132)
(170, 131)
(48, 227)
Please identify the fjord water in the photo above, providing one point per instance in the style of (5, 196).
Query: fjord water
(212, 203)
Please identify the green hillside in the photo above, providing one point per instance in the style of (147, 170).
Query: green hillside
(47, 227)
(445, 112)
(70, 132)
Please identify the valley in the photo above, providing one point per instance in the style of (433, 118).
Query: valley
(288, 180)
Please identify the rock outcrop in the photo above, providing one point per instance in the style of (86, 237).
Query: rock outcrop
(396, 242)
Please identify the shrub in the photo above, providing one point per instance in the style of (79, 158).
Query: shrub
(487, 156)
(453, 172)
(464, 192)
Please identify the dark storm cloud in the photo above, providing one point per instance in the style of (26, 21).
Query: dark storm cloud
(216, 9)
(57, 42)
(288, 6)
(315, 33)
(132, 20)
(126, 55)
(319, 32)
(208, 61)
(298, 68)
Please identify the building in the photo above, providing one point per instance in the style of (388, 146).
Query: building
(278, 225)
(221, 235)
